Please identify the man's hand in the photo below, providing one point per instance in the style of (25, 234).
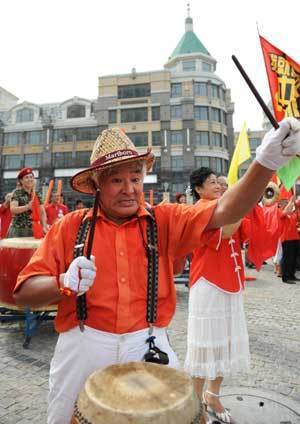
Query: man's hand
(279, 146)
(81, 274)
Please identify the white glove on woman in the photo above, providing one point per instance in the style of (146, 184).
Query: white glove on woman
(81, 274)
(279, 146)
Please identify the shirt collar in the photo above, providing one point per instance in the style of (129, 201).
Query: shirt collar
(141, 212)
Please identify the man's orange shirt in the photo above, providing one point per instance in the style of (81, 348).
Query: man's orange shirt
(117, 300)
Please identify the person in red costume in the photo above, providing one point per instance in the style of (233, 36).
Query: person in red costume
(55, 210)
(217, 339)
(290, 241)
(5, 216)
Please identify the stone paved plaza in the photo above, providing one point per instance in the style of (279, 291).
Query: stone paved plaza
(273, 313)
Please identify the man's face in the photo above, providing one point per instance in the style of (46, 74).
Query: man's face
(223, 184)
(55, 199)
(121, 191)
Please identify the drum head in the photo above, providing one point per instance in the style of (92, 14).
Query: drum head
(137, 392)
(20, 243)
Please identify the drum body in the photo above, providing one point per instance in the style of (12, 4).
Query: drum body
(140, 393)
(15, 253)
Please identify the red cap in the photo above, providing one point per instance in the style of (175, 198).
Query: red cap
(23, 172)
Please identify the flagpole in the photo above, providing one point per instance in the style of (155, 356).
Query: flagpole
(256, 93)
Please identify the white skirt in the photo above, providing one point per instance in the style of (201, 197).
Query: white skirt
(217, 336)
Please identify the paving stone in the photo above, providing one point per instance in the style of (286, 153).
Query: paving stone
(273, 317)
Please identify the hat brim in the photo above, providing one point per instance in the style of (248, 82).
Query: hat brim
(83, 183)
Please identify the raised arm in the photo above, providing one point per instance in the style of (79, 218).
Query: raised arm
(277, 148)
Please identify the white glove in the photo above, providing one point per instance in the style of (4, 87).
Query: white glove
(81, 274)
(279, 146)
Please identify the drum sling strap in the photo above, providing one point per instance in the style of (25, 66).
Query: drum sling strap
(154, 354)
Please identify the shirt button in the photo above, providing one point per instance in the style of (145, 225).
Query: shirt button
(122, 279)
(121, 253)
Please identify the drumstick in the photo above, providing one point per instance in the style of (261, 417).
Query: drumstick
(256, 93)
(93, 224)
(49, 192)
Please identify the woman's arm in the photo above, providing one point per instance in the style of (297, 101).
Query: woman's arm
(16, 209)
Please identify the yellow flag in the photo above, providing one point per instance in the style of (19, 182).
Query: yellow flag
(241, 154)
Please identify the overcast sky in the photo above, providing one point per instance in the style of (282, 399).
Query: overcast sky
(52, 50)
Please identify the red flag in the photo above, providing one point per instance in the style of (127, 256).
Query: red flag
(284, 81)
(37, 228)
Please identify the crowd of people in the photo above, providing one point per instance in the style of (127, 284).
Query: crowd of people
(18, 209)
(114, 325)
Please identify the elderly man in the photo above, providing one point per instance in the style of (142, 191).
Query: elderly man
(114, 280)
(222, 180)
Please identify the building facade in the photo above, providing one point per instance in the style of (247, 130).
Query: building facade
(183, 112)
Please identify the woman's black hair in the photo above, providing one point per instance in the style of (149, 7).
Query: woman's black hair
(198, 178)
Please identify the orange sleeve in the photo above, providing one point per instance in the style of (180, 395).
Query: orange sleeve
(181, 226)
(58, 243)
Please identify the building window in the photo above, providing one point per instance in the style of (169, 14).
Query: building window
(206, 67)
(176, 137)
(201, 161)
(177, 163)
(225, 142)
(112, 116)
(135, 90)
(224, 118)
(157, 165)
(201, 138)
(156, 141)
(201, 113)
(200, 89)
(76, 111)
(155, 113)
(223, 94)
(254, 142)
(176, 112)
(64, 135)
(25, 115)
(34, 137)
(9, 185)
(178, 188)
(217, 139)
(216, 114)
(225, 166)
(62, 159)
(215, 91)
(176, 90)
(217, 165)
(33, 161)
(139, 139)
(83, 159)
(134, 115)
(13, 139)
(12, 161)
(86, 133)
(189, 65)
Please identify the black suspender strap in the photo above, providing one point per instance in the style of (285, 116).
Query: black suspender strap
(81, 307)
(152, 253)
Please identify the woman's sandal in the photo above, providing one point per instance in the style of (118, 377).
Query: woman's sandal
(225, 416)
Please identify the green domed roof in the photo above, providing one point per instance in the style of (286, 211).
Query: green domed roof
(189, 43)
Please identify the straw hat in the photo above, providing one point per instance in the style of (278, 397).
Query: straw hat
(137, 392)
(111, 148)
